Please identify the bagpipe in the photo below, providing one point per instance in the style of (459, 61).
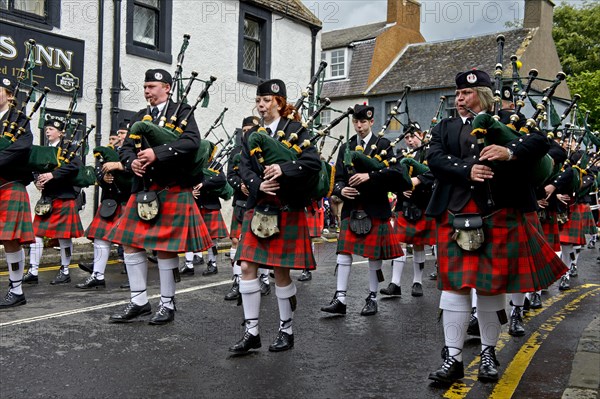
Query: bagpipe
(103, 154)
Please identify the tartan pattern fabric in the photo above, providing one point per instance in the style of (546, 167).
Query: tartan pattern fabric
(316, 221)
(290, 248)
(63, 221)
(550, 230)
(382, 242)
(420, 233)
(179, 227)
(580, 223)
(213, 219)
(100, 227)
(15, 214)
(515, 257)
(235, 229)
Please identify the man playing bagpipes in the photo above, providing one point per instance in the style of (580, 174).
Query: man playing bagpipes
(15, 214)
(366, 227)
(487, 232)
(274, 230)
(413, 226)
(56, 213)
(161, 213)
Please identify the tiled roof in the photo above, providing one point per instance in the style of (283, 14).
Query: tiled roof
(293, 8)
(434, 65)
(343, 37)
(360, 66)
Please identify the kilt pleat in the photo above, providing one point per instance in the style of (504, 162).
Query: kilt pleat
(213, 219)
(100, 227)
(420, 233)
(515, 257)
(179, 227)
(316, 221)
(290, 248)
(235, 229)
(580, 223)
(382, 242)
(63, 221)
(550, 230)
(15, 214)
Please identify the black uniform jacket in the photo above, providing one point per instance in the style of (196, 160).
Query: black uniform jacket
(292, 191)
(373, 198)
(174, 160)
(510, 186)
(17, 154)
(234, 177)
(61, 185)
(207, 198)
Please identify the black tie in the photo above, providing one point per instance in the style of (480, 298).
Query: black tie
(469, 121)
(363, 144)
(154, 112)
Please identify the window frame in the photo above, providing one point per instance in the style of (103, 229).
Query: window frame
(326, 55)
(263, 18)
(164, 33)
(50, 21)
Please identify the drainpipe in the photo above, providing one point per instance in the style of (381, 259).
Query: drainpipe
(99, 66)
(115, 90)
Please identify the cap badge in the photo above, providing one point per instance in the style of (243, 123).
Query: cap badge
(275, 88)
(506, 93)
(158, 76)
(6, 82)
(56, 124)
(471, 78)
(369, 114)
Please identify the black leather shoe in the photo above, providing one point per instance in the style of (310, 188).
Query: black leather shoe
(564, 284)
(488, 367)
(211, 268)
(130, 312)
(61, 278)
(417, 289)
(248, 342)
(198, 260)
(335, 307)
(370, 307)
(473, 328)
(124, 271)
(11, 299)
(433, 276)
(516, 328)
(305, 276)
(162, 316)
(450, 371)
(536, 301)
(91, 282)
(125, 285)
(573, 270)
(234, 292)
(265, 289)
(186, 270)
(392, 289)
(87, 267)
(283, 342)
(152, 259)
(29, 278)
(526, 305)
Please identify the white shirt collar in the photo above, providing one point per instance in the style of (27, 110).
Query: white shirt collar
(366, 139)
(273, 126)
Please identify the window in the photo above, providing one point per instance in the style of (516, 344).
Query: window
(394, 124)
(38, 13)
(254, 51)
(450, 109)
(325, 116)
(149, 29)
(337, 63)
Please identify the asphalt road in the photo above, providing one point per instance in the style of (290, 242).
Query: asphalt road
(60, 345)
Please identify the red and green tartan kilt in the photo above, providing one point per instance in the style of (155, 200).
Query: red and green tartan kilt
(420, 233)
(290, 248)
(15, 214)
(382, 242)
(550, 230)
(236, 228)
(100, 227)
(316, 221)
(214, 223)
(515, 257)
(63, 221)
(178, 227)
(580, 223)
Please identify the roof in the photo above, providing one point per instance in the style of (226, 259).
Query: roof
(360, 66)
(419, 65)
(343, 37)
(294, 9)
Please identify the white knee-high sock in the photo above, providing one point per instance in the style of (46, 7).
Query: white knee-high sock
(455, 319)
(167, 281)
(137, 273)
(212, 254)
(343, 275)
(397, 268)
(489, 323)
(565, 253)
(250, 291)
(374, 270)
(66, 249)
(101, 254)
(286, 299)
(189, 258)
(418, 266)
(16, 265)
(35, 254)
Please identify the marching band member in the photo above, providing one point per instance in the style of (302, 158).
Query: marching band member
(315, 217)
(487, 233)
(15, 215)
(177, 226)
(274, 190)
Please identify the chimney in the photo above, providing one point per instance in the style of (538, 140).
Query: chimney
(406, 13)
(539, 14)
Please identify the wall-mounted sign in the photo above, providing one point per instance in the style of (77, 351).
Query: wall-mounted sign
(58, 59)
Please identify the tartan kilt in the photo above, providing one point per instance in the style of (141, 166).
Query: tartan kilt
(15, 214)
(290, 248)
(515, 257)
(316, 221)
(420, 233)
(179, 227)
(214, 223)
(382, 242)
(63, 221)
(100, 227)
(235, 229)
(580, 223)
(550, 230)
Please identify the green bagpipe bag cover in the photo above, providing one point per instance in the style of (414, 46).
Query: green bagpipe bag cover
(225, 192)
(414, 167)
(123, 180)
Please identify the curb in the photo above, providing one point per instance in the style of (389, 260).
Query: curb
(584, 382)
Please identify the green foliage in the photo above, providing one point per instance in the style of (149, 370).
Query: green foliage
(587, 84)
